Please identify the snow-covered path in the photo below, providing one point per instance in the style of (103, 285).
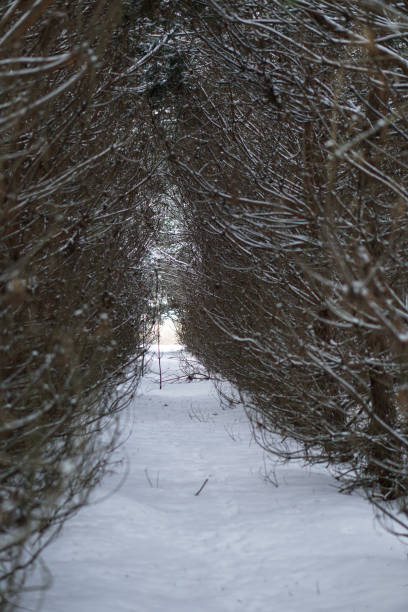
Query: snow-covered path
(241, 544)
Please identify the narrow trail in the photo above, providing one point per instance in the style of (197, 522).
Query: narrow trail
(241, 544)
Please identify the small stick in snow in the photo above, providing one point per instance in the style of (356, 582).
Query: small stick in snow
(202, 487)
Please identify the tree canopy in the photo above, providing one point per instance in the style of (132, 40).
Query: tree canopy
(261, 146)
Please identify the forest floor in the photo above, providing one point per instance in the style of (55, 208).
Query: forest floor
(243, 543)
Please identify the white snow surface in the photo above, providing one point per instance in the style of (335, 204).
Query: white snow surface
(242, 544)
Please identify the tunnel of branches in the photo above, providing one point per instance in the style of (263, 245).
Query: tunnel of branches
(241, 165)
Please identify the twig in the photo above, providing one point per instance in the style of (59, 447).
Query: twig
(149, 480)
(202, 487)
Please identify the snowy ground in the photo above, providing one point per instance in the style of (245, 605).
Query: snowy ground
(242, 544)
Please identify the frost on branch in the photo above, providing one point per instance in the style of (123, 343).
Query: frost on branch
(76, 223)
(290, 164)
